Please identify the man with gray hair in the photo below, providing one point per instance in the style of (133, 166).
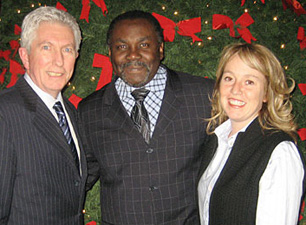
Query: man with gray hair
(42, 165)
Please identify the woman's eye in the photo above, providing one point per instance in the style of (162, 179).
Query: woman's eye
(227, 78)
(249, 82)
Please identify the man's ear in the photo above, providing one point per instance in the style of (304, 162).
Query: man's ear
(109, 52)
(24, 56)
(161, 51)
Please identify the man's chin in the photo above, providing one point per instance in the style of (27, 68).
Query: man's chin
(136, 83)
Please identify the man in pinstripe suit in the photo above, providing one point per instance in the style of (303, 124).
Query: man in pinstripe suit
(145, 181)
(40, 180)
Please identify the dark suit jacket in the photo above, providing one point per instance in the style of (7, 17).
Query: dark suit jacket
(39, 182)
(148, 183)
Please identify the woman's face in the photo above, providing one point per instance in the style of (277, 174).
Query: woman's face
(242, 92)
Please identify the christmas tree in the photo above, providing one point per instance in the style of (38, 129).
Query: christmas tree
(277, 24)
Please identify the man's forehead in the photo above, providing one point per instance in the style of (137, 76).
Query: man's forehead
(134, 21)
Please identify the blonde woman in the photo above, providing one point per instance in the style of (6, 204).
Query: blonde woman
(251, 171)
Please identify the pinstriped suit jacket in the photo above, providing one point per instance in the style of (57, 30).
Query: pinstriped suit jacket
(39, 183)
(140, 183)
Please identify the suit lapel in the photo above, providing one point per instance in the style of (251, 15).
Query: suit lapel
(43, 119)
(115, 112)
(170, 105)
(72, 114)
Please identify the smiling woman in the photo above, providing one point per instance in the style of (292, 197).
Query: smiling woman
(251, 171)
(242, 92)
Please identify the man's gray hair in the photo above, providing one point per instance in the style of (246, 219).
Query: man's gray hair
(47, 14)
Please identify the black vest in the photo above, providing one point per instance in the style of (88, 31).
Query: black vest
(234, 198)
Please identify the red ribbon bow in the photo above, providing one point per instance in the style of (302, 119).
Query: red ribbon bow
(2, 75)
(17, 29)
(185, 27)
(301, 38)
(5, 54)
(302, 88)
(245, 20)
(60, 7)
(243, 1)
(15, 68)
(14, 46)
(91, 223)
(86, 8)
(295, 5)
(75, 100)
(103, 62)
(302, 133)
(302, 210)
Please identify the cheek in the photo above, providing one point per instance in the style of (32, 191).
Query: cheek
(116, 61)
(70, 64)
(223, 90)
(222, 100)
(39, 62)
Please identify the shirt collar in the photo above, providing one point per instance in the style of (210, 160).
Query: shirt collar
(160, 75)
(48, 99)
(223, 130)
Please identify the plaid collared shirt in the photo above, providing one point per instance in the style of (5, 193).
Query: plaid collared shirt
(153, 100)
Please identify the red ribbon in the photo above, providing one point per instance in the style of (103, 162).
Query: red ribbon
(243, 1)
(60, 6)
(301, 37)
(2, 75)
(294, 5)
(302, 88)
(14, 46)
(302, 133)
(103, 62)
(86, 8)
(15, 68)
(245, 20)
(91, 223)
(302, 210)
(185, 28)
(75, 100)
(5, 54)
(17, 29)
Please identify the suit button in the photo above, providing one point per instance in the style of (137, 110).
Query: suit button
(153, 188)
(149, 151)
(76, 183)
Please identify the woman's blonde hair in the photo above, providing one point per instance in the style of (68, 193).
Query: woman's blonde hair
(276, 112)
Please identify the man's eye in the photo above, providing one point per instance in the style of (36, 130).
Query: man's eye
(121, 47)
(144, 45)
(68, 49)
(46, 47)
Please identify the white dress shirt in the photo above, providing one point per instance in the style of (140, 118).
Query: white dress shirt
(280, 187)
(49, 102)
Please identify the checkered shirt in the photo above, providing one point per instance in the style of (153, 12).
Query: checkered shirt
(153, 100)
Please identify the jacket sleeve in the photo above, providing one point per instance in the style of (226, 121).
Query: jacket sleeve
(92, 163)
(7, 169)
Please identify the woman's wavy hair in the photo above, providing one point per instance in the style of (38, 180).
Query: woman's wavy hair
(276, 113)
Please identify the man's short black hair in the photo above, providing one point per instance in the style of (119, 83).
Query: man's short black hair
(136, 14)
